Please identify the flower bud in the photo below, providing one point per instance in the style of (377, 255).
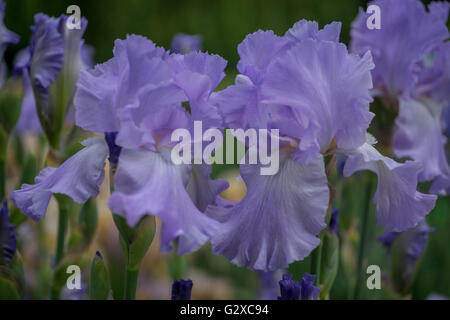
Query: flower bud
(99, 280)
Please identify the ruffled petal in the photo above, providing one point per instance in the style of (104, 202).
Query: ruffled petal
(238, 105)
(137, 65)
(79, 177)
(95, 98)
(305, 29)
(278, 220)
(321, 78)
(210, 65)
(47, 53)
(419, 136)
(147, 182)
(407, 33)
(399, 206)
(257, 51)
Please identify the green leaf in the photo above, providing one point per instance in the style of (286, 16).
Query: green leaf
(88, 219)
(10, 105)
(9, 285)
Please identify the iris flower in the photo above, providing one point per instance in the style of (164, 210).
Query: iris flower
(412, 65)
(49, 68)
(185, 43)
(137, 98)
(307, 85)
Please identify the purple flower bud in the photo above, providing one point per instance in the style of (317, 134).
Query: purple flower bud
(181, 289)
(289, 289)
(295, 290)
(8, 242)
(334, 221)
(308, 290)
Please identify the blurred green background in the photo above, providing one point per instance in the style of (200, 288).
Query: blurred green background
(223, 25)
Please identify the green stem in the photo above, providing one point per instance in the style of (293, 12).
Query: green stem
(131, 279)
(63, 222)
(316, 259)
(363, 240)
(316, 255)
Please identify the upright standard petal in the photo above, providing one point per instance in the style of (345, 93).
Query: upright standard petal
(419, 136)
(278, 220)
(147, 182)
(398, 205)
(118, 94)
(47, 53)
(408, 32)
(322, 78)
(79, 177)
(305, 29)
(257, 51)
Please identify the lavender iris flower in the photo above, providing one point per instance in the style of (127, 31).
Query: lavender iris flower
(181, 289)
(412, 65)
(7, 236)
(56, 55)
(307, 85)
(136, 99)
(295, 290)
(185, 43)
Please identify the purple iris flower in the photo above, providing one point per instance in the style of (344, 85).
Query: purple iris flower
(181, 289)
(50, 68)
(412, 63)
(8, 235)
(185, 43)
(307, 85)
(295, 290)
(137, 98)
